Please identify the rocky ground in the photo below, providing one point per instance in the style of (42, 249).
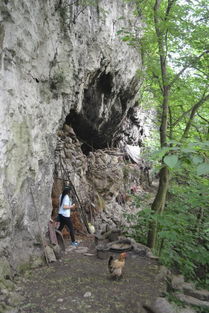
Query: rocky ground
(79, 282)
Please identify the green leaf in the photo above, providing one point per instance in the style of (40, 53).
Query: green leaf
(121, 31)
(187, 150)
(203, 169)
(197, 160)
(171, 160)
(158, 155)
(175, 149)
(126, 38)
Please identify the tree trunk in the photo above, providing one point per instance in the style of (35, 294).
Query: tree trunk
(159, 201)
(160, 198)
(158, 205)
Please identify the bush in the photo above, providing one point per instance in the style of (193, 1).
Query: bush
(183, 230)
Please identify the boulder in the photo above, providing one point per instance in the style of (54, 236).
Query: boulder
(177, 282)
(161, 305)
(199, 294)
(192, 301)
(50, 254)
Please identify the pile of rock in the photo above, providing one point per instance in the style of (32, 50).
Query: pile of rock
(188, 294)
(184, 292)
(102, 180)
(113, 241)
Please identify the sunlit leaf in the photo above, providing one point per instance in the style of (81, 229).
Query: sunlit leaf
(171, 160)
(203, 169)
(197, 160)
(188, 150)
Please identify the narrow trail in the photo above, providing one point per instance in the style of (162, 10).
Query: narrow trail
(81, 283)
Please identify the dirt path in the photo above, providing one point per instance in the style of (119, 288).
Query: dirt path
(81, 284)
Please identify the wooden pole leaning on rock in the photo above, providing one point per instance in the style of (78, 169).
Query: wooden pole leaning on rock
(39, 227)
(66, 174)
(81, 207)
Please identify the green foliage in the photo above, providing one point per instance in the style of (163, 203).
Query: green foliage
(175, 49)
(180, 242)
(183, 229)
(139, 227)
(203, 169)
(142, 218)
(179, 155)
(171, 160)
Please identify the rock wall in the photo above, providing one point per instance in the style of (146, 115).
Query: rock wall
(104, 182)
(61, 61)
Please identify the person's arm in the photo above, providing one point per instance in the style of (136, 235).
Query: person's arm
(67, 205)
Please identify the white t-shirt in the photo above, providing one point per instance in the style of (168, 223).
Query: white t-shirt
(66, 201)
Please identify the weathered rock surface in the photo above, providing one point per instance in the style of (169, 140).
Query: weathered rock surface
(192, 301)
(187, 292)
(161, 305)
(59, 61)
(199, 294)
(102, 181)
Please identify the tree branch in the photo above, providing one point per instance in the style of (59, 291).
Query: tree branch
(198, 131)
(170, 124)
(203, 118)
(181, 117)
(196, 68)
(186, 67)
(160, 42)
(158, 80)
(193, 112)
(169, 7)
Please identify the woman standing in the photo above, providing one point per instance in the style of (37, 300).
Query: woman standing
(65, 207)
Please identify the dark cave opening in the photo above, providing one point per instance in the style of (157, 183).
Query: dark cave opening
(86, 148)
(97, 125)
(85, 132)
(90, 125)
(104, 83)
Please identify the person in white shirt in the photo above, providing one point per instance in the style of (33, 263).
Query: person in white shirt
(65, 207)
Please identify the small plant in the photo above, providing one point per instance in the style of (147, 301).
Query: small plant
(138, 225)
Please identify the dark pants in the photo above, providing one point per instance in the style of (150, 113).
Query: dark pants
(66, 221)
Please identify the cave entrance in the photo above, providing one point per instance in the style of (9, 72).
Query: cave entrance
(86, 133)
(91, 130)
(92, 124)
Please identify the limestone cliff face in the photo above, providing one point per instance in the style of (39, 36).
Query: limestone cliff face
(61, 61)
